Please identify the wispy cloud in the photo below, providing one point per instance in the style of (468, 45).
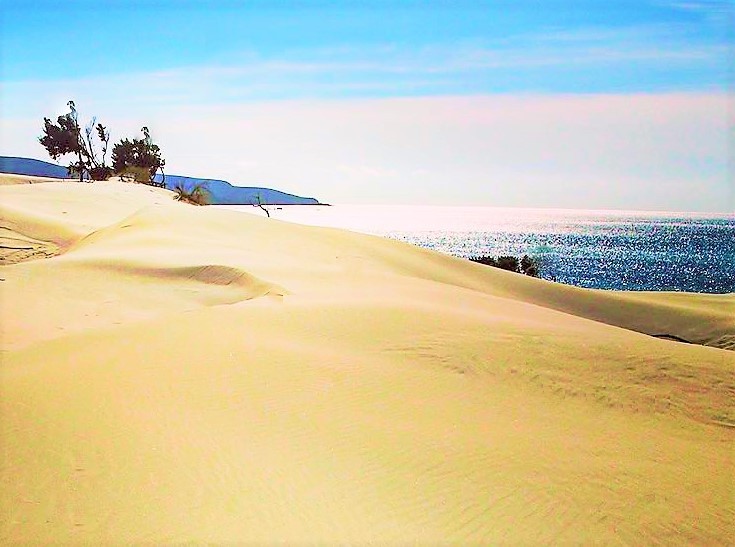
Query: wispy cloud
(644, 58)
(700, 5)
(719, 14)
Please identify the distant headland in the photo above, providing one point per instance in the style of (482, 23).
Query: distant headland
(220, 192)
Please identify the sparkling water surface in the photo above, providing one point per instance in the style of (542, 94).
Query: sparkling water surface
(622, 250)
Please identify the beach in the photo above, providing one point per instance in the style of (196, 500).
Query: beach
(176, 373)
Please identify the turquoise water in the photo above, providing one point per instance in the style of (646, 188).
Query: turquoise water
(622, 250)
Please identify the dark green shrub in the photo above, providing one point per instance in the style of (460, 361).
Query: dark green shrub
(65, 137)
(526, 265)
(486, 260)
(529, 266)
(139, 158)
(509, 263)
(101, 172)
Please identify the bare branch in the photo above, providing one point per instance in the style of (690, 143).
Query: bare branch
(260, 204)
(91, 154)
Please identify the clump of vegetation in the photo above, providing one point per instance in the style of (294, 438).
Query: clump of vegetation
(65, 137)
(198, 195)
(139, 159)
(525, 265)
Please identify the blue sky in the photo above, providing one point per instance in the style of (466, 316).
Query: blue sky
(386, 101)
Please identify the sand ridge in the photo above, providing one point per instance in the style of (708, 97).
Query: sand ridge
(179, 373)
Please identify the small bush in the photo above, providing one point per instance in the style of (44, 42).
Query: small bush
(135, 174)
(526, 265)
(101, 172)
(486, 260)
(509, 263)
(529, 266)
(198, 195)
(139, 157)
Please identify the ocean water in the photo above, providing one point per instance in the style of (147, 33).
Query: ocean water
(621, 250)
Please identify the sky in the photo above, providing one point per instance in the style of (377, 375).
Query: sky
(616, 104)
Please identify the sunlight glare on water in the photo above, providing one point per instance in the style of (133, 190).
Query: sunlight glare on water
(623, 250)
(381, 219)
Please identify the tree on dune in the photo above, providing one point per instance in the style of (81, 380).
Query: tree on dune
(138, 158)
(65, 137)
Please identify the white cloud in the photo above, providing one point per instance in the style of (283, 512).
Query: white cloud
(666, 151)
(641, 151)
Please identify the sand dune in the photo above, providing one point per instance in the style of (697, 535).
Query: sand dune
(178, 373)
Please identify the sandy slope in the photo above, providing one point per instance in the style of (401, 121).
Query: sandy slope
(182, 373)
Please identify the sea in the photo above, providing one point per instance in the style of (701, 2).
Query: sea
(618, 250)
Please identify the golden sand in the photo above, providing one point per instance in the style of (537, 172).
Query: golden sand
(179, 373)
